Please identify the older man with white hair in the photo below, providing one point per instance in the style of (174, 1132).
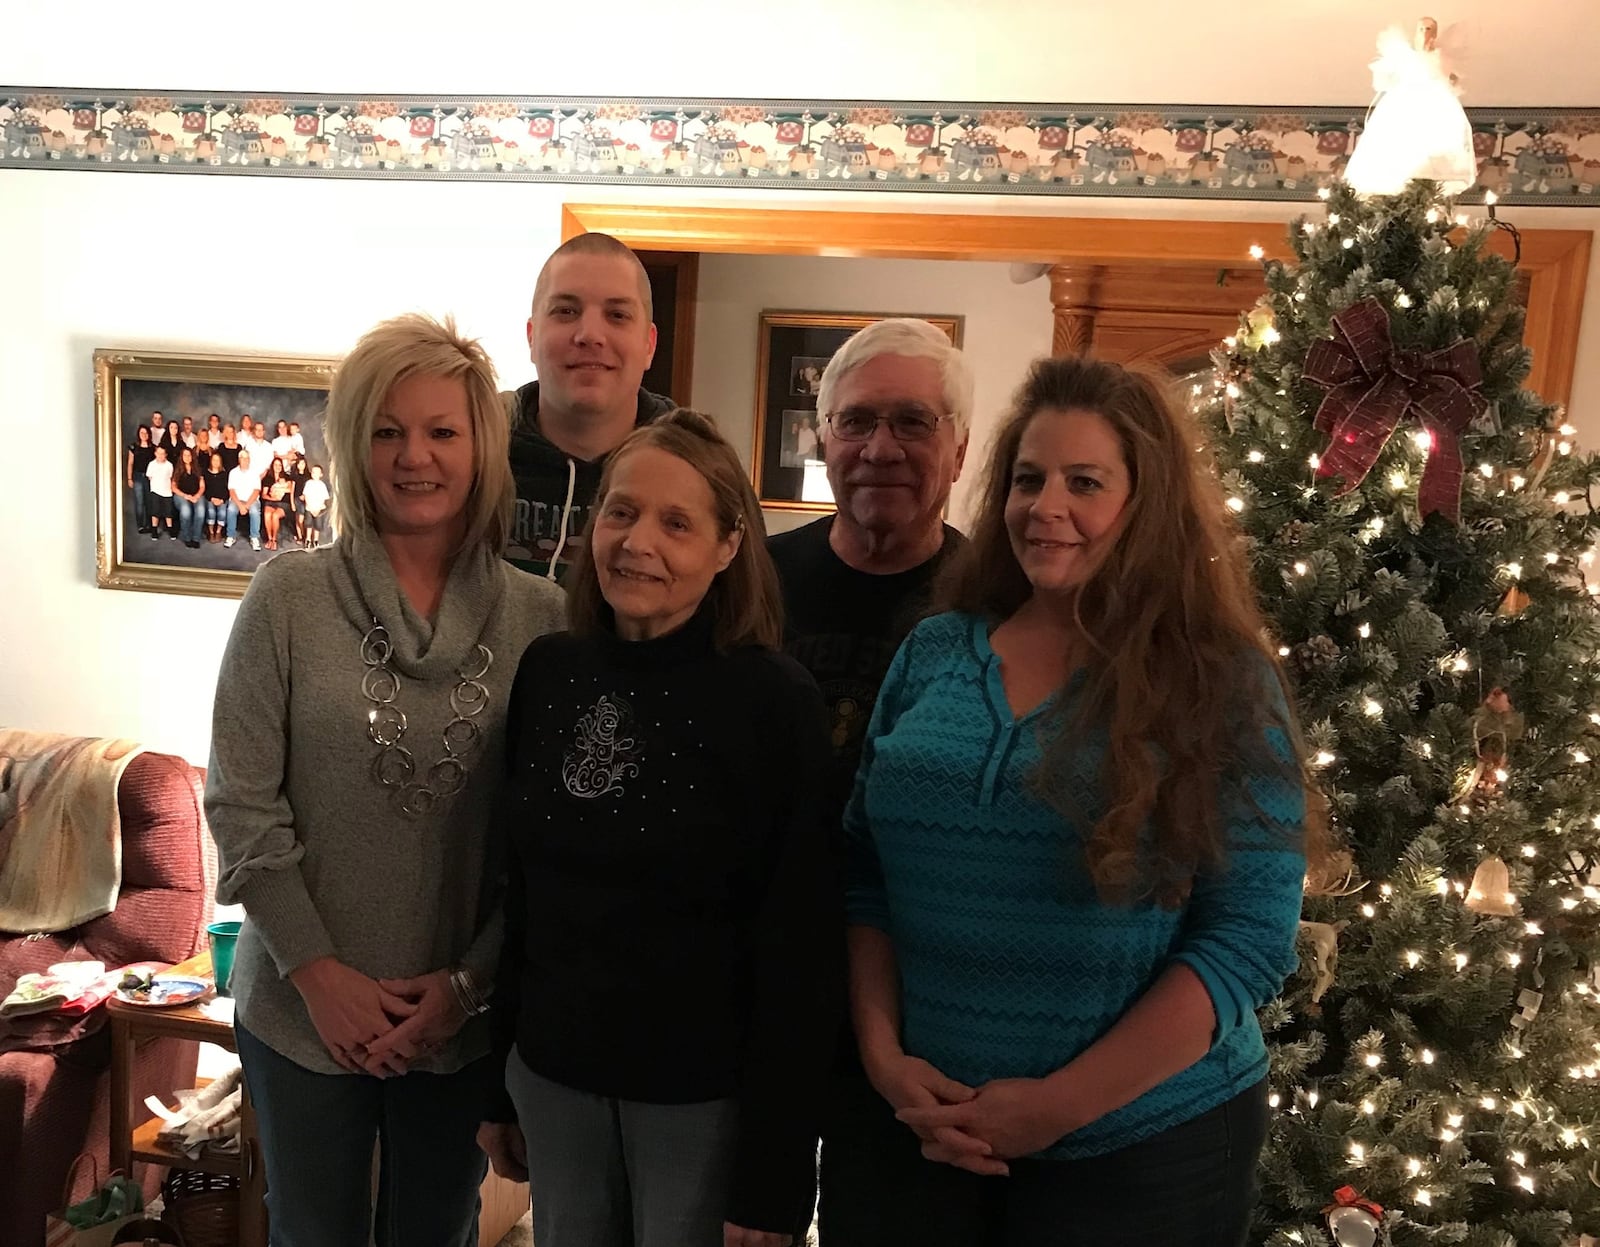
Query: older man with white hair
(895, 403)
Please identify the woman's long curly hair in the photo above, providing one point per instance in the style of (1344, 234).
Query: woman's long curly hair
(1173, 644)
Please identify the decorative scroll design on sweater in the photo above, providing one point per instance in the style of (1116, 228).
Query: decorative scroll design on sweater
(604, 751)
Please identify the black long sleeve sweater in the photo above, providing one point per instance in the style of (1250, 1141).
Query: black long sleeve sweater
(673, 903)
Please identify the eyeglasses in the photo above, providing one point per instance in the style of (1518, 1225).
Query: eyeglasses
(907, 424)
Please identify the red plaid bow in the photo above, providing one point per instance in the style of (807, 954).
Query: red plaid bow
(1371, 386)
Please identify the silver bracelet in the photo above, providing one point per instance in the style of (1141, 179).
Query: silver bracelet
(468, 996)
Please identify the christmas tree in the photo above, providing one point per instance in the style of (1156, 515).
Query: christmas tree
(1419, 528)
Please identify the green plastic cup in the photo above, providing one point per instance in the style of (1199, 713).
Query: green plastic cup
(223, 936)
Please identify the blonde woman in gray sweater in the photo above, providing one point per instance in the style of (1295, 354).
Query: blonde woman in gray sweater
(358, 721)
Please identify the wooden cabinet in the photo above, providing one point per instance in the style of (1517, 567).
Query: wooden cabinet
(1148, 311)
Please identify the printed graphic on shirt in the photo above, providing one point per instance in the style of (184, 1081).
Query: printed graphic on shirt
(536, 536)
(604, 751)
(848, 722)
(848, 667)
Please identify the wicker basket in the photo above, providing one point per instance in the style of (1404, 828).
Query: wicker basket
(203, 1206)
(147, 1231)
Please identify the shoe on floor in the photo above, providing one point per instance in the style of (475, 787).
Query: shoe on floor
(227, 541)
(255, 543)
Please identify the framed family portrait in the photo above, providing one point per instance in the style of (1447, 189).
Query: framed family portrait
(206, 466)
(794, 349)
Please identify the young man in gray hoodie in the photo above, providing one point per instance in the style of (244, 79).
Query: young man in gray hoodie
(591, 336)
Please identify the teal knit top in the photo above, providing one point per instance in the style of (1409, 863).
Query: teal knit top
(1010, 966)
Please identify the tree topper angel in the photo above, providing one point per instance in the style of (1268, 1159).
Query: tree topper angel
(1416, 128)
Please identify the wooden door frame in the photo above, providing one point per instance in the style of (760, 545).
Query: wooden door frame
(1557, 261)
(687, 266)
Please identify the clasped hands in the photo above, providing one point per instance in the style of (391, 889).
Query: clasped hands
(972, 1128)
(377, 1026)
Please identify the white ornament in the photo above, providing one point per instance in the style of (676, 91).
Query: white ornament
(1417, 128)
(1353, 1227)
(1490, 892)
(1324, 940)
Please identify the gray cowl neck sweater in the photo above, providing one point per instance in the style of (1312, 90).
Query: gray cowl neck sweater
(309, 842)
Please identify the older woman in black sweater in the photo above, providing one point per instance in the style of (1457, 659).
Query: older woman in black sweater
(668, 992)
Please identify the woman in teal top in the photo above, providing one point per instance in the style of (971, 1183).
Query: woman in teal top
(1078, 849)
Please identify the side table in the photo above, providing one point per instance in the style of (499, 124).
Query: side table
(133, 1024)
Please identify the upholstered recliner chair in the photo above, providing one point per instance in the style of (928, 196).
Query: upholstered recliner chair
(56, 1104)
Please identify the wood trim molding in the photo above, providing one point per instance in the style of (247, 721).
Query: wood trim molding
(922, 235)
(1074, 303)
(686, 267)
(1557, 263)
(1557, 260)
(688, 312)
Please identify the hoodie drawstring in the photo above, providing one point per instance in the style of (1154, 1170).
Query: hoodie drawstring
(566, 518)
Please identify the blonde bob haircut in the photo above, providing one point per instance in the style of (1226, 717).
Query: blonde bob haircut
(408, 346)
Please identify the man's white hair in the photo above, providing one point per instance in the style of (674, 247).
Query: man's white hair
(916, 339)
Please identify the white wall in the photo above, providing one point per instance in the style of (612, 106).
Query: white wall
(258, 264)
(1283, 52)
(1006, 327)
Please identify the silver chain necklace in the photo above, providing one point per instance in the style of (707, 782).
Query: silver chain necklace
(394, 767)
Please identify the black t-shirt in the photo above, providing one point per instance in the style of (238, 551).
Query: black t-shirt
(230, 456)
(143, 457)
(217, 486)
(186, 483)
(844, 626)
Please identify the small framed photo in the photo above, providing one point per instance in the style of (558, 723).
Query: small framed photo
(794, 349)
(206, 466)
(805, 374)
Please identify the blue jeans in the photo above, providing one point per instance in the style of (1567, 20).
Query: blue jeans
(216, 512)
(255, 518)
(189, 519)
(141, 502)
(1193, 1185)
(317, 1135)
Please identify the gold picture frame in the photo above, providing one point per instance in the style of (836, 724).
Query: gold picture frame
(792, 350)
(128, 388)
